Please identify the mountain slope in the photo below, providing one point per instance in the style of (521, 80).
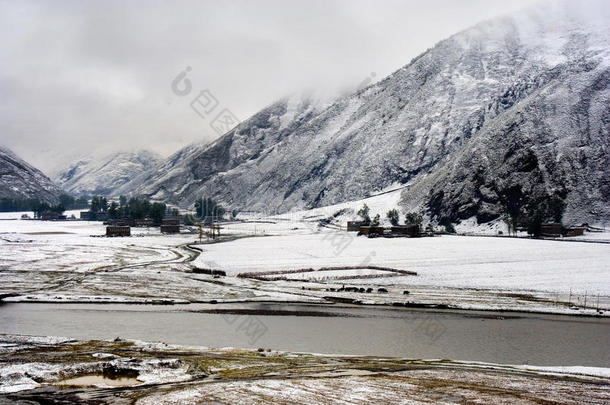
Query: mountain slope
(520, 100)
(21, 181)
(105, 175)
(550, 151)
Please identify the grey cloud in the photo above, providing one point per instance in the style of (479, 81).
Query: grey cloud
(77, 76)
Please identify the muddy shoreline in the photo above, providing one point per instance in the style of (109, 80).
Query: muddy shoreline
(433, 308)
(156, 374)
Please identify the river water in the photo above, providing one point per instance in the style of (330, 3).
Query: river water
(489, 337)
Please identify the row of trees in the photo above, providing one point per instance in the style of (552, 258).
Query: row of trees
(392, 215)
(73, 203)
(15, 204)
(550, 209)
(46, 207)
(208, 207)
(141, 207)
(410, 218)
(132, 208)
(66, 201)
(532, 216)
(98, 204)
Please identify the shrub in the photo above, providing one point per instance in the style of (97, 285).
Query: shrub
(393, 216)
(413, 218)
(364, 214)
(376, 220)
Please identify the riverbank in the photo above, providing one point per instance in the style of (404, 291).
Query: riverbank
(55, 370)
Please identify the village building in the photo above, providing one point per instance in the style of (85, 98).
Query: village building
(554, 229)
(574, 231)
(51, 216)
(354, 226)
(411, 230)
(143, 222)
(371, 231)
(407, 230)
(93, 216)
(115, 230)
(171, 225)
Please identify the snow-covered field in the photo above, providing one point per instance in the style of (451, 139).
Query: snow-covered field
(444, 261)
(44, 248)
(62, 261)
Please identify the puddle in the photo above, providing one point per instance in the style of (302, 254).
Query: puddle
(98, 380)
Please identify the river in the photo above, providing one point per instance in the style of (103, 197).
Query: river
(534, 339)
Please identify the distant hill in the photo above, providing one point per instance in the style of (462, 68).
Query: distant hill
(103, 176)
(21, 181)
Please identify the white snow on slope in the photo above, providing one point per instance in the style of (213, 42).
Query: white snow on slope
(103, 175)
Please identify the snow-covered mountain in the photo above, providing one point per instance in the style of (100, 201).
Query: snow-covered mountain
(513, 112)
(103, 176)
(21, 181)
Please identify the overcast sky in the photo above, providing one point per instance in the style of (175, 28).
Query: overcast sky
(81, 76)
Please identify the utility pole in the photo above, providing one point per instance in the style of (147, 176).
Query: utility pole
(597, 306)
(585, 306)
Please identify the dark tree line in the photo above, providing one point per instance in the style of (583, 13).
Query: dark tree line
(208, 207)
(73, 203)
(392, 215)
(12, 204)
(67, 201)
(532, 216)
(46, 207)
(98, 204)
(135, 208)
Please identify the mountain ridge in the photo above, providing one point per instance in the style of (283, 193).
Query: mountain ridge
(103, 175)
(21, 181)
(411, 126)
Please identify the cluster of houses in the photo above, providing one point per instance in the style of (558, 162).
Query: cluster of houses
(169, 225)
(552, 230)
(407, 230)
(52, 216)
(94, 216)
(122, 227)
(555, 230)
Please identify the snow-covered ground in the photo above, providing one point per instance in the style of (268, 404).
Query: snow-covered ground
(71, 245)
(61, 261)
(443, 261)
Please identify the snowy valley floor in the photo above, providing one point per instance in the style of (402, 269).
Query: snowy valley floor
(299, 261)
(54, 371)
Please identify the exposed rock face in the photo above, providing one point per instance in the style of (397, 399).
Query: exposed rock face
(511, 113)
(21, 181)
(552, 148)
(105, 175)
